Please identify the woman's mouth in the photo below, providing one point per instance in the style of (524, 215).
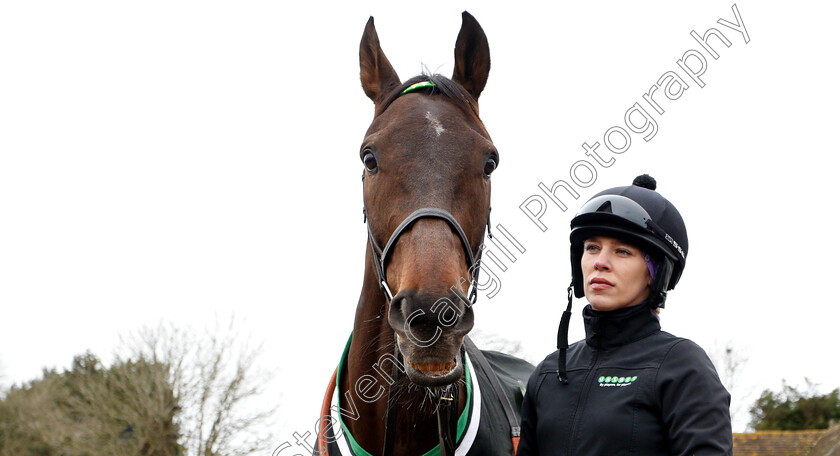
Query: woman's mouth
(599, 283)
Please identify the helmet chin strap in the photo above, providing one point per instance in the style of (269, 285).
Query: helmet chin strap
(563, 338)
(659, 288)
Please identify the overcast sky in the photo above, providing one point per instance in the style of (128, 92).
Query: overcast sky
(184, 161)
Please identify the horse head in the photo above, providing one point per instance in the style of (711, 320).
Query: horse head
(427, 159)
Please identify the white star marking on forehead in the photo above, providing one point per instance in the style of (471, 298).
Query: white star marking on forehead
(435, 123)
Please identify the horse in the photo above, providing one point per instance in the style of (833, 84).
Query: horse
(410, 380)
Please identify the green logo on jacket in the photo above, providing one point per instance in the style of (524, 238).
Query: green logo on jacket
(606, 380)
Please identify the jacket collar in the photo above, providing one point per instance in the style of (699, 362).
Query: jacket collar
(619, 327)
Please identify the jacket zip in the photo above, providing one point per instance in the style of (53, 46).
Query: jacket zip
(584, 393)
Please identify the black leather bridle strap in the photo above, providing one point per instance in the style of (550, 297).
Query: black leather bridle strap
(381, 255)
(377, 262)
(429, 212)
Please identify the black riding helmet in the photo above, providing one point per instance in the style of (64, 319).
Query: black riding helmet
(638, 215)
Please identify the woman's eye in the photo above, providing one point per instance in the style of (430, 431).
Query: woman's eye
(369, 160)
(623, 252)
(489, 166)
(590, 248)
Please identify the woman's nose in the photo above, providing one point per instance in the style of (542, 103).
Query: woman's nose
(602, 263)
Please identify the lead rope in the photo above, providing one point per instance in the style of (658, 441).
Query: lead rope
(447, 427)
(563, 339)
(391, 411)
(447, 421)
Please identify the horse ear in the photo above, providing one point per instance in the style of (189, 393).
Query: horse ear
(377, 74)
(472, 56)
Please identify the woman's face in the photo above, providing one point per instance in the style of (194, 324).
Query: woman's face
(614, 273)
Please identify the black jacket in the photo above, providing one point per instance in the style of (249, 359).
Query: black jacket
(633, 390)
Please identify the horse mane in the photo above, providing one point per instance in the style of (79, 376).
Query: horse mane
(443, 85)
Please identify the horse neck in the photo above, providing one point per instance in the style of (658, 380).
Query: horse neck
(373, 337)
(372, 340)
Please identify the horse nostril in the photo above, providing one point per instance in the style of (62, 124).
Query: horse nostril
(397, 311)
(396, 305)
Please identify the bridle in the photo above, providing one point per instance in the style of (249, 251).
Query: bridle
(448, 399)
(447, 407)
(381, 256)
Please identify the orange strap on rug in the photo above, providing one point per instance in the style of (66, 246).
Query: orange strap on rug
(325, 415)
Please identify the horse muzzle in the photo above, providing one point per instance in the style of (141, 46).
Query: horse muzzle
(430, 332)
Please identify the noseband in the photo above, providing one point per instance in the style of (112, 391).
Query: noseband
(381, 256)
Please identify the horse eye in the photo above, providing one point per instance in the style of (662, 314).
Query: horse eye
(370, 161)
(489, 167)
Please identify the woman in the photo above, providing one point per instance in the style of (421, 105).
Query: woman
(628, 388)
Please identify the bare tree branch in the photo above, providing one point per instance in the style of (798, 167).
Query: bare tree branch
(216, 383)
(730, 361)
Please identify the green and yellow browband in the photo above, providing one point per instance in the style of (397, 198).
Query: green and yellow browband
(417, 86)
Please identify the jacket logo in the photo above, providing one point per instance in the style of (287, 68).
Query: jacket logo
(607, 381)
